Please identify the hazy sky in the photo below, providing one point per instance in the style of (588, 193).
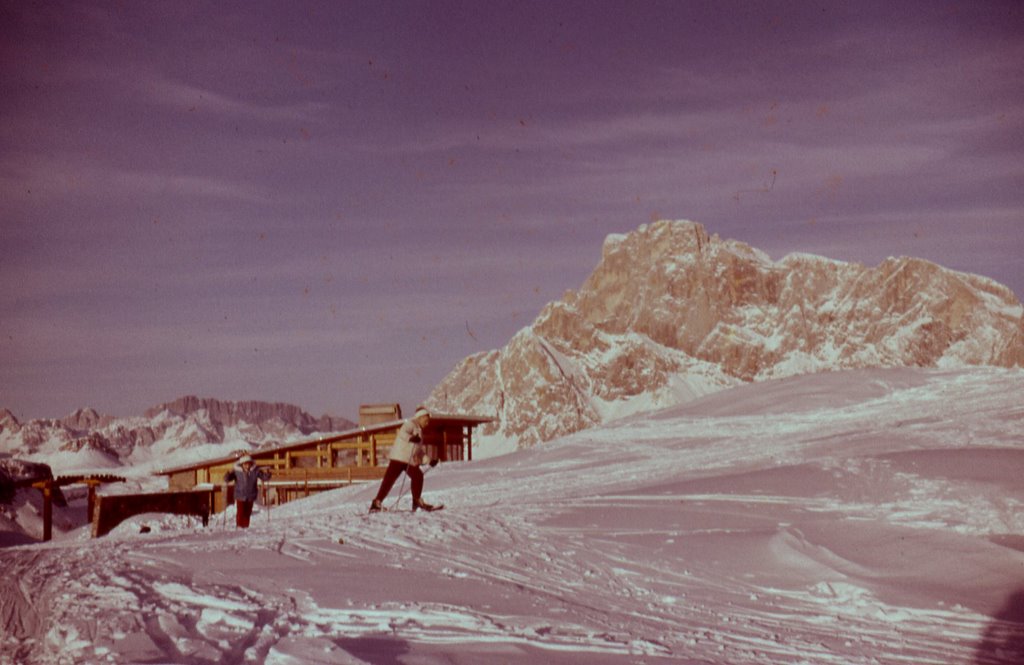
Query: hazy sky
(333, 203)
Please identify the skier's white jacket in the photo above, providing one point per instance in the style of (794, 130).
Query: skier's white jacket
(404, 450)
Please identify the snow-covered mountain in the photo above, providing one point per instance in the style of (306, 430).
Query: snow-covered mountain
(176, 431)
(672, 313)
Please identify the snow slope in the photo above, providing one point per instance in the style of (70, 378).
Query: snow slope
(868, 516)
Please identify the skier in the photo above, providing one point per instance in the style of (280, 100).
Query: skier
(245, 476)
(407, 454)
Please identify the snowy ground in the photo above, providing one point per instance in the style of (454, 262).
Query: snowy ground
(850, 517)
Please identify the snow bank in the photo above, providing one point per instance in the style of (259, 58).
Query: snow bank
(843, 518)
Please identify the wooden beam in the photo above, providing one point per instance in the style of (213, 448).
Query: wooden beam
(46, 487)
(48, 511)
(90, 501)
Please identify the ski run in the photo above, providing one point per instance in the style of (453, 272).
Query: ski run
(843, 518)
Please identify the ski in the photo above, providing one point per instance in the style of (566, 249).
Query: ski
(382, 511)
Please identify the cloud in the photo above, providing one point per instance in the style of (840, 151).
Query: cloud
(31, 178)
(180, 96)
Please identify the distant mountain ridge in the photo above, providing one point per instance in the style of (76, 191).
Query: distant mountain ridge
(187, 422)
(671, 313)
(233, 413)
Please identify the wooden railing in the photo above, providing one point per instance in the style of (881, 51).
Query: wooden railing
(344, 474)
(288, 484)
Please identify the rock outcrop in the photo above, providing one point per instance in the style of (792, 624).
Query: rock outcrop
(671, 313)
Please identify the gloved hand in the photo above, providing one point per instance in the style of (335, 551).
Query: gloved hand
(415, 438)
(434, 461)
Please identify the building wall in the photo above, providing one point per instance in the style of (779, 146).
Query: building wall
(182, 480)
(374, 414)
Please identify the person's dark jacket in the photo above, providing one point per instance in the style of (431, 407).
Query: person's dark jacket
(246, 483)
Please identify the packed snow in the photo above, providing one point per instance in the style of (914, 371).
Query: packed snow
(857, 517)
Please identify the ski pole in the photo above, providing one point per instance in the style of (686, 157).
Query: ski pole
(401, 491)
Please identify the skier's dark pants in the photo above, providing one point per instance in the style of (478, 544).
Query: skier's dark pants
(243, 511)
(394, 470)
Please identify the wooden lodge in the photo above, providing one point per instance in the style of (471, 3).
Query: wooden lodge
(357, 455)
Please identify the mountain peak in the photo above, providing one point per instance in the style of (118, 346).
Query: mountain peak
(8, 421)
(671, 313)
(84, 419)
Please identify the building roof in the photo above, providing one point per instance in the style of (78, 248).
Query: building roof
(437, 418)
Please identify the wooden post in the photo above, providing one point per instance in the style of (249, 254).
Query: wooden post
(48, 510)
(90, 501)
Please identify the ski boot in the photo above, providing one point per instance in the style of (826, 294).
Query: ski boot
(424, 506)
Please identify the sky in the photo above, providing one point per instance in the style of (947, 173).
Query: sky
(330, 204)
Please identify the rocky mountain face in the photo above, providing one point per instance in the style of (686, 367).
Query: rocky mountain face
(671, 313)
(184, 423)
(230, 414)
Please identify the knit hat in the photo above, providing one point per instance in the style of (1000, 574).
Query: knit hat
(246, 459)
(421, 411)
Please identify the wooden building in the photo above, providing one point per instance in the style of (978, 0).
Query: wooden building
(357, 455)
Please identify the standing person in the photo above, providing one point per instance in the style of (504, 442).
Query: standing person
(407, 454)
(245, 476)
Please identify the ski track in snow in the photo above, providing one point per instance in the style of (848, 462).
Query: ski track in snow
(756, 527)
